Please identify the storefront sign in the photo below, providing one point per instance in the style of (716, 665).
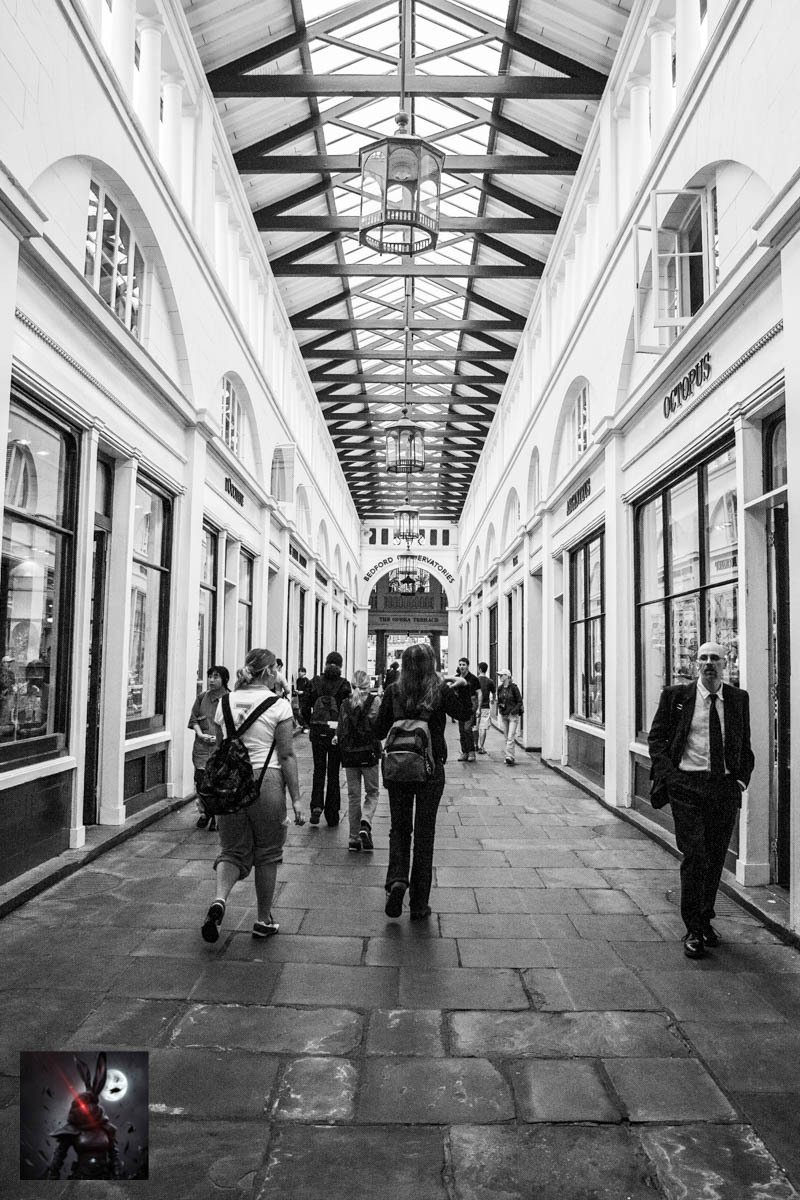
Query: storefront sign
(577, 498)
(683, 391)
(232, 490)
(421, 559)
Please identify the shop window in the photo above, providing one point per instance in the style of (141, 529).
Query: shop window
(113, 264)
(384, 537)
(149, 612)
(445, 537)
(687, 547)
(231, 417)
(372, 537)
(775, 459)
(244, 609)
(587, 630)
(207, 615)
(36, 586)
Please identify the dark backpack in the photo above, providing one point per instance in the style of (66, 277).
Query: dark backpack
(358, 743)
(326, 705)
(228, 784)
(407, 751)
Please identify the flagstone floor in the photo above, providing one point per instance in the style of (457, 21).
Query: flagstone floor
(542, 1037)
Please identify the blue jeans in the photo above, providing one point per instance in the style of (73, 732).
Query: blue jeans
(413, 809)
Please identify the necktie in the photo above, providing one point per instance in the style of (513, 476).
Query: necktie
(716, 750)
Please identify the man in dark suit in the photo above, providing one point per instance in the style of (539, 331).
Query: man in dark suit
(701, 763)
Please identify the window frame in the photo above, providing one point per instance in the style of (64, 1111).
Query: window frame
(245, 603)
(52, 745)
(582, 626)
(134, 253)
(213, 591)
(137, 726)
(681, 254)
(231, 416)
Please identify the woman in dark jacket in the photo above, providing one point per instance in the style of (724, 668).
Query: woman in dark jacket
(325, 790)
(413, 806)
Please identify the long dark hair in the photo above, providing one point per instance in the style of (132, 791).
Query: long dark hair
(418, 686)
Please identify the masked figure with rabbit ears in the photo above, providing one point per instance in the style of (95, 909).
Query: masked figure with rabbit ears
(87, 1131)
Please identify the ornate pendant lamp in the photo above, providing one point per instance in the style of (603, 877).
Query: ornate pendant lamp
(406, 524)
(405, 446)
(401, 179)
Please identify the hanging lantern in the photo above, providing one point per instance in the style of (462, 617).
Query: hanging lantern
(401, 179)
(405, 447)
(407, 565)
(406, 525)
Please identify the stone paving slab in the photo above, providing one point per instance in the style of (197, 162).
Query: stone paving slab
(281, 1030)
(765, 1058)
(565, 1035)
(562, 1090)
(728, 1162)
(412, 952)
(695, 997)
(574, 989)
(341, 951)
(503, 952)
(316, 1089)
(208, 1084)
(400, 1031)
(353, 987)
(442, 1091)
(462, 988)
(662, 1089)
(126, 1023)
(615, 928)
(354, 1163)
(773, 1115)
(549, 1162)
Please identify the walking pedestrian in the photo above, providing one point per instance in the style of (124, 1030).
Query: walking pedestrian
(201, 720)
(509, 710)
(418, 694)
(701, 763)
(360, 750)
(301, 686)
(466, 728)
(253, 838)
(326, 693)
(487, 690)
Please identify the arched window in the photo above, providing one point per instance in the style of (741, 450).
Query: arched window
(578, 425)
(231, 417)
(114, 265)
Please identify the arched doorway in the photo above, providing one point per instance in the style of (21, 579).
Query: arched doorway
(405, 609)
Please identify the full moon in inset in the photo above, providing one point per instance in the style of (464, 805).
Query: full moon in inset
(116, 1086)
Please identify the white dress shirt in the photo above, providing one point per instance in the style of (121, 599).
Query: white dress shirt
(696, 753)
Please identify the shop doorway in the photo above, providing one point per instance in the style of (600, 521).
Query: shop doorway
(102, 534)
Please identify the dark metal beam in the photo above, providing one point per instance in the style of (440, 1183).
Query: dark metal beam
(414, 356)
(421, 270)
(508, 87)
(479, 164)
(341, 325)
(321, 223)
(414, 381)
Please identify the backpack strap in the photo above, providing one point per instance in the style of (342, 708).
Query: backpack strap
(253, 715)
(263, 771)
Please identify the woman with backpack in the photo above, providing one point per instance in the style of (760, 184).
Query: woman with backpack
(253, 837)
(201, 720)
(325, 694)
(412, 718)
(360, 751)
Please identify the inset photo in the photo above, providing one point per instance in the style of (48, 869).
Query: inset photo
(84, 1114)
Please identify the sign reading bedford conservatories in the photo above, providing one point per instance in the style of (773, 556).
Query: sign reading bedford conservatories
(232, 490)
(683, 391)
(579, 496)
(421, 559)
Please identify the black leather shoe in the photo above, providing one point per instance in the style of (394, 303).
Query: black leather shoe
(316, 813)
(693, 946)
(394, 900)
(710, 936)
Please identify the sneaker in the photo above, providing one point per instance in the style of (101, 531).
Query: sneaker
(365, 836)
(463, 757)
(510, 762)
(394, 901)
(316, 813)
(209, 931)
(482, 751)
(265, 929)
(420, 914)
(354, 844)
(471, 757)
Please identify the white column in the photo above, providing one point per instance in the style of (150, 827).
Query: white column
(662, 92)
(148, 89)
(123, 41)
(569, 292)
(94, 11)
(234, 229)
(267, 359)
(607, 227)
(221, 237)
(687, 41)
(639, 132)
(624, 186)
(204, 172)
(714, 11)
(259, 324)
(592, 240)
(619, 647)
(243, 290)
(171, 129)
(81, 645)
(188, 153)
(581, 269)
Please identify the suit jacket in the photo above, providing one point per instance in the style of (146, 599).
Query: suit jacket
(670, 730)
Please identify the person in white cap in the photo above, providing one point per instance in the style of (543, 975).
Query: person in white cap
(509, 710)
(701, 763)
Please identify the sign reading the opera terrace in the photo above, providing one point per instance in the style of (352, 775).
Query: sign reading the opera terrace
(683, 391)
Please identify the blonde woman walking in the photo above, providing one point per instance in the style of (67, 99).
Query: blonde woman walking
(253, 838)
(360, 751)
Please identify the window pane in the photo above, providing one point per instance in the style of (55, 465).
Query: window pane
(722, 625)
(136, 284)
(91, 234)
(123, 253)
(653, 660)
(146, 585)
(777, 457)
(596, 665)
(578, 671)
(595, 578)
(722, 535)
(243, 631)
(685, 631)
(107, 251)
(245, 577)
(578, 586)
(208, 558)
(205, 636)
(651, 550)
(32, 566)
(684, 554)
(148, 530)
(36, 462)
